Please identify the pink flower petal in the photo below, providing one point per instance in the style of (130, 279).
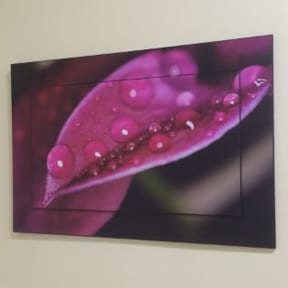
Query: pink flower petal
(126, 131)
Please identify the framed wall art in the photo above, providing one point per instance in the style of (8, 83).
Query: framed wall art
(170, 144)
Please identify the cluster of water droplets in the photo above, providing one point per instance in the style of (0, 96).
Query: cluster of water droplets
(157, 137)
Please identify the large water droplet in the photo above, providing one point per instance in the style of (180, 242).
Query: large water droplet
(177, 62)
(95, 150)
(252, 77)
(159, 143)
(231, 100)
(186, 118)
(124, 129)
(60, 161)
(185, 99)
(136, 93)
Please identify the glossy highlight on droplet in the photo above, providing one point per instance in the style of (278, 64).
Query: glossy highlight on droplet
(220, 117)
(186, 118)
(95, 150)
(155, 127)
(60, 161)
(159, 143)
(136, 93)
(124, 129)
(231, 100)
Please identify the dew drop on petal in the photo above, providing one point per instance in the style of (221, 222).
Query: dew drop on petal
(94, 170)
(135, 160)
(220, 117)
(216, 101)
(130, 147)
(136, 93)
(159, 143)
(60, 161)
(185, 99)
(124, 129)
(174, 70)
(112, 165)
(186, 118)
(95, 150)
(155, 127)
(231, 100)
(251, 95)
(252, 77)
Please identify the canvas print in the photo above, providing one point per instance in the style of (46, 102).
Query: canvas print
(170, 144)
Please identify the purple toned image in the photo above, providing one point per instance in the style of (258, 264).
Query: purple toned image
(172, 144)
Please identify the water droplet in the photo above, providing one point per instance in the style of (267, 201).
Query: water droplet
(110, 84)
(211, 132)
(220, 117)
(77, 124)
(112, 165)
(130, 147)
(136, 93)
(159, 143)
(174, 70)
(216, 100)
(124, 129)
(185, 99)
(112, 155)
(95, 150)
(231, 100)
(133, 93)
(60, 161)
(251, 95)
(135, 160)
(154, 127)
(94, 170)
(252, 77)
(186, 118)
(114, 109)
(168, 127)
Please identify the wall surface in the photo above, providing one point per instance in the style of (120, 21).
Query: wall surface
(37, 30)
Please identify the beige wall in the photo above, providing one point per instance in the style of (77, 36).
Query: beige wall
(36, 30)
